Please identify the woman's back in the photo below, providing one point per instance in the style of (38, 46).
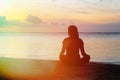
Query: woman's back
(72, 46)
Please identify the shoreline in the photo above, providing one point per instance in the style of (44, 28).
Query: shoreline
(32, 69)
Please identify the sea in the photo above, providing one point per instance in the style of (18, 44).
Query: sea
(101, 46)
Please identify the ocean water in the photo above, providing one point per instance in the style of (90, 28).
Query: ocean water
(102, 47)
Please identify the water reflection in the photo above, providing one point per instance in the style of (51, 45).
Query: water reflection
(47, 46)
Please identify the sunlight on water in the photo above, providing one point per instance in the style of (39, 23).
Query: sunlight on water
(101, 47)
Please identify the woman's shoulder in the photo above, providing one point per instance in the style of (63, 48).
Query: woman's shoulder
(80, 39)
(65, 39)
(69, 38)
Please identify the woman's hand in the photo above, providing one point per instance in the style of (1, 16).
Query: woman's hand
(61, 56)
(87, 56)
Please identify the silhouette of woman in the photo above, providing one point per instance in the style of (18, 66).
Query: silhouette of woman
(72, 45)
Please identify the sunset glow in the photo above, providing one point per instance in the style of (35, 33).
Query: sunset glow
(60, 13)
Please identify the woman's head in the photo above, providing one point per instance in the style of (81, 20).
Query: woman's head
(73, 31)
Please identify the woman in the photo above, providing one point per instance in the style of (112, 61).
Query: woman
(72, 45)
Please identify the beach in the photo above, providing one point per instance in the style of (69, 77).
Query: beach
(33, 69)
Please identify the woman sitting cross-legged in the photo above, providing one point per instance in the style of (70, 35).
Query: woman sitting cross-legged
(71, 47)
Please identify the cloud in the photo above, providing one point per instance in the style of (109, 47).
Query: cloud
(103, 6)
(92, 27)
(35, 24)
(33, 19)
(115, 26)
(29, 21)
(53, 0)
(8, 23)
(3, 21)
(14, 23)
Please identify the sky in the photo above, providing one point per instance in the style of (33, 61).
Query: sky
(57, 15)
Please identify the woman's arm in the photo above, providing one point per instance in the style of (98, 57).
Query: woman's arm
(62, 53)
(62, 50)
(83, 50)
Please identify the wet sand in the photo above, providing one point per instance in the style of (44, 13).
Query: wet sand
(30, 69)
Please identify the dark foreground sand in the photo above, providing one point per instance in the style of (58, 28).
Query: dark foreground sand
(28, 69)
